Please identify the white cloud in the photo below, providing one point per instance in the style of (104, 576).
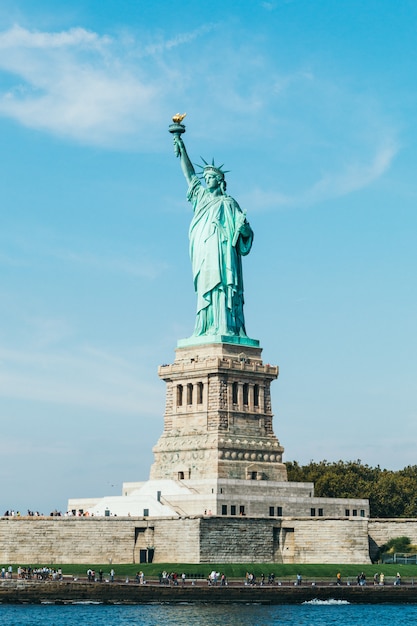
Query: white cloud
(355, 176)
(18, 37)
(73, 84)
(114, 92)
(179, 40)
(90, 88)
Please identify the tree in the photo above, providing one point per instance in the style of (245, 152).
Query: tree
(390, 494)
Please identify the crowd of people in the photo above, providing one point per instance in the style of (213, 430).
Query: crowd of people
(32, 573)
(54, 513)
(214, 578)
(378, 579)
(13, 513)
(169, 579)
(217, 577)
(251, 580)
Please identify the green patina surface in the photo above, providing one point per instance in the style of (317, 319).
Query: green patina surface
(220, 236)
(207, 339)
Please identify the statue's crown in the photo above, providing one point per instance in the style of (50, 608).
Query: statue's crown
(207, 167)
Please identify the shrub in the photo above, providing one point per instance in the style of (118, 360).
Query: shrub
(397, 544)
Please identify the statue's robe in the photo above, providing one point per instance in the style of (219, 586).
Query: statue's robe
(219, 237)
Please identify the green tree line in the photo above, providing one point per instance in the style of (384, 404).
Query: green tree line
(390, 493)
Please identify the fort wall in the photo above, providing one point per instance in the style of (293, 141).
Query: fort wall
(382, 530)
(93, 540)
(55, 540)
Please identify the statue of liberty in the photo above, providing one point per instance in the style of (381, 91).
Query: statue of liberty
(219, 236)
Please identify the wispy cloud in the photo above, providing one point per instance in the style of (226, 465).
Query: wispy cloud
(269, 6)
(92, 88)
(260, 199)
(18, 37)
(114, 92)
(143, 268)
(26, 252)
(353, 176)
(73, 84)
(47, 331)
(178, 40)
(12, 261)
(84, 377)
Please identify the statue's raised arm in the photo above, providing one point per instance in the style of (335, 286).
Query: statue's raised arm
(177, 128)
(186, 165)
(219, 236)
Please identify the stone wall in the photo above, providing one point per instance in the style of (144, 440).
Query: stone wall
(382, 530)
(66, 540)
(177, 541)
(23, 592)
(329, 541)
(92, 540)
(191, 540)
(284, 541)
(236, 540)
(200, 539)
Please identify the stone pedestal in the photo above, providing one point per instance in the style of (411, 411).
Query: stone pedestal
(218, 416)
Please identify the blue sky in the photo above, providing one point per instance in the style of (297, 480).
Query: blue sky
(311, 106)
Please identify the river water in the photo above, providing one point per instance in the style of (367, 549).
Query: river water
(209, 615)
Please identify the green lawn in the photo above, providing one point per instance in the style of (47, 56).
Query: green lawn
(288, 572)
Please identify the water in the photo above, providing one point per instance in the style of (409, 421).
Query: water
(209, 615)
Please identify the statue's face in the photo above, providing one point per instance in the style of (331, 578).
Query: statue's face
(211, 181)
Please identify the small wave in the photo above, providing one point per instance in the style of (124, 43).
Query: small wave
(71, 602)
(331, 602)
(86, 602)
